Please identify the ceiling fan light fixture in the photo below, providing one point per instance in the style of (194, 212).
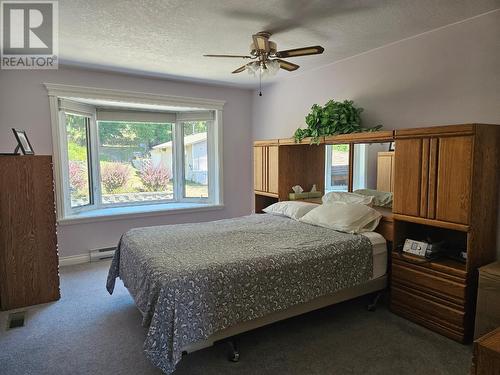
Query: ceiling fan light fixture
(252, 68)
(273, 66)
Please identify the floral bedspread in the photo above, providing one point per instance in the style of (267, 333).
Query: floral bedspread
(192, 280)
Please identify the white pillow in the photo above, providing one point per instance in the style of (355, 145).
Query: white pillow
(292, 209)
(345, 197)
(344, 217)
(380, 198)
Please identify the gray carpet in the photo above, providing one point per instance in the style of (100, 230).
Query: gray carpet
(90, 332)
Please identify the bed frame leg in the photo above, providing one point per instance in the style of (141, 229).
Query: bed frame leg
(373, 305)
(233, 353)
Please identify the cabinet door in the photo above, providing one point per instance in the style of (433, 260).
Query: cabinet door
(384, 171)
(258, 168)
(272, 169)
(407, 176)
(454, 171)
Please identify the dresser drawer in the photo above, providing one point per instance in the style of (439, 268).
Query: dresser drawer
(429, 281)
(429, 308)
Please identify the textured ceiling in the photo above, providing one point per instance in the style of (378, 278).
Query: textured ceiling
(168, 37)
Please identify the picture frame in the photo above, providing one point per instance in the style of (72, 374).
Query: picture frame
(23, 142)
(392, 146)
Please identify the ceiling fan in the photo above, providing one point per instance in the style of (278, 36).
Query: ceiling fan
(267, 60)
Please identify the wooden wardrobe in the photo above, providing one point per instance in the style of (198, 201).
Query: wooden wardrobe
(445, 189)
(28, 242)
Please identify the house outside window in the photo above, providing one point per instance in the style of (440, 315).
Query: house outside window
(337, 167)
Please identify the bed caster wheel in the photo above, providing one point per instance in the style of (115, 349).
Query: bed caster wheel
(234, 357)
(373, 306)
(233, 354)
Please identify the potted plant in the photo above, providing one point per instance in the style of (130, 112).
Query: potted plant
(331, 119)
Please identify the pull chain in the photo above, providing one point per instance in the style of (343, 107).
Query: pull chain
(260, 82)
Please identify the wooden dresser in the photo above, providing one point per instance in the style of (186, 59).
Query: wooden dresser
(28, 244)
(486, 359)
(446, 189)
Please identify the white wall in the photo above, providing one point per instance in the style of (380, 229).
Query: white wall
(24, 104)
(448, 76)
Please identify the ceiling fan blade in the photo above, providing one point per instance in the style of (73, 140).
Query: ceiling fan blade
(288, 65)
(232, 56)
(313, 50)
(261, 42)
(240, 69)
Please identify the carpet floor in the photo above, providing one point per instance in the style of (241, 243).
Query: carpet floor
(90, 332)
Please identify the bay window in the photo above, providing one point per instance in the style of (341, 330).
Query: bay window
(114, 156)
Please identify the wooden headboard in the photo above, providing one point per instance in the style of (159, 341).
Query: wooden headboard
(386, 225)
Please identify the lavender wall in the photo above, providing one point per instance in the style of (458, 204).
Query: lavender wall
(447, 76)
(24, 104)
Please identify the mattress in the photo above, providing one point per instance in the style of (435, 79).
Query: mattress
(379, 251)
(193, 280)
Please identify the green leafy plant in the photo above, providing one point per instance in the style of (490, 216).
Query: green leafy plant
(114, 176)
(331, 119)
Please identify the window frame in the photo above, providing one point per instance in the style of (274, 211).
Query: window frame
(69, 94)
(328, 166)
(102, 205)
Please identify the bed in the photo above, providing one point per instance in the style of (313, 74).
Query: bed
(198, 283)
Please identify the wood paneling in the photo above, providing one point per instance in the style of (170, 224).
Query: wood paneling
(268, 142)
(28, 243)
(385, 171)
(436, 223)
(454, 173)
(258, 168)
(386, 229)
(302, 165)
(407, 173)
(432, 178)
(305, 141)
(263, 201)
(442, 131)
(424, 183)
(486, 359)
(431, 308)
(365, 137)
(484, 200)
(272, 169)
(429, 281)
(438, 325)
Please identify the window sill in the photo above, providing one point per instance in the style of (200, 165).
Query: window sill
(131, 212)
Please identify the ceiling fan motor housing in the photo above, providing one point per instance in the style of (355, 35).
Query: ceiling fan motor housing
(256, 52)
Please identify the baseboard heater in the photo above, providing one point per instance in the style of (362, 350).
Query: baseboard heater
(101, 254)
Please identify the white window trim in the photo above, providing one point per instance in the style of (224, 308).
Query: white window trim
(359, 171)
(328, 168)
(57, 91)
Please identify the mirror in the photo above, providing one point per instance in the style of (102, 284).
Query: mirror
(373, 167)
(337, 167)
(372, 170)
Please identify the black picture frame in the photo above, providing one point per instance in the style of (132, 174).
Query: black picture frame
(392, 146)
(23, 142)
